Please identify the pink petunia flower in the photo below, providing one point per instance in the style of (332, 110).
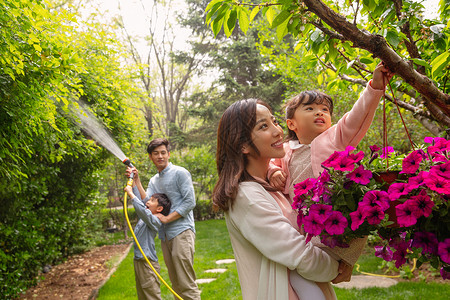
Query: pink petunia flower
(438, 184)
(374, 148)
(357, 157)
(406, 216)
(411, 163)
(427, 241)
(400, 256)
(384, 252)
(416, 181)
(360, 175)
(313, 224)
(444, 274)
(374, 215)
(442, 170)
(330, 161)
(324, 177)
(444, 251)
(322, 210)
(304, 187)
(396, 190)
(421, 204)
(344, 163)
(373, 198)
(336, 223)
(357, 219)
(385, 152)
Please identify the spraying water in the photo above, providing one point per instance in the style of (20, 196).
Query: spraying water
(95, 129)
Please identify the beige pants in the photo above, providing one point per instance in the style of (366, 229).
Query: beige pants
(147, 283)
(179, 258)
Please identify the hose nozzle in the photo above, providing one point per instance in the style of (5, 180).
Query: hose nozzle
(127, 162)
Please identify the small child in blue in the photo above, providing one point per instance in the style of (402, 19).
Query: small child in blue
(147, 283)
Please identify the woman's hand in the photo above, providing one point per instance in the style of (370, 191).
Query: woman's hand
(345, 273)
(278, 180)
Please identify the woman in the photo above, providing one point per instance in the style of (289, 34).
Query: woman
(259, 219)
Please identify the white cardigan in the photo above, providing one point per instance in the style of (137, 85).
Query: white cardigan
(265, 245)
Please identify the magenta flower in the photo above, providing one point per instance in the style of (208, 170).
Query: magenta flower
(438, 184)
(396, 190)
(406, 216)
(427, 241)
(442, 170)
(387, 152)
(324, 177)
(374, 148)
(411, 163)
(384, 252)
(444, 251)
(357, 219)
(439, 145)
(344, 163)
(375, 198)
(421, 204)
(322, 210)
(304, 187)
(330, 161)
(400, 256)
(336, 223)
(360, 175)
(445, 275)
(374, 215)
(416, 181)
(357, 157)
(313, 224)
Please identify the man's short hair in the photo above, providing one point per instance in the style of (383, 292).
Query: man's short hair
(156, 143)
(163, 201)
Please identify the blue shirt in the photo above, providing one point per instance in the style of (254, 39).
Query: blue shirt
(176, 183)
(145, 230)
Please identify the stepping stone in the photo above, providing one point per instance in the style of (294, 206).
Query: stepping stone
(225, 261)
(364, 281)
(216, 271)
(205, 280)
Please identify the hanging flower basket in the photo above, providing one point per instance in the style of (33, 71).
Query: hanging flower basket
(352, 198)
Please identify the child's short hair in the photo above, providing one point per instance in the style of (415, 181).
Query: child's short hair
(306, 98)
(163, 201)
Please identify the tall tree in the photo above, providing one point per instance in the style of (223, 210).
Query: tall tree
(413, 47)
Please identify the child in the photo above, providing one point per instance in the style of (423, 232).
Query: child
(312, 139)
(147, 283)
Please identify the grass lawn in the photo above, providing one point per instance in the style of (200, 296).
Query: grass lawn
(212, 243)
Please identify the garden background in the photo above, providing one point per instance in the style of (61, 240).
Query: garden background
(59, 187)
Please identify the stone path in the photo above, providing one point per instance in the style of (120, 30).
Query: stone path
(358, 281)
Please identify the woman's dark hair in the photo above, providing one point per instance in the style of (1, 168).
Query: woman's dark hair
(235, 131)
(305, 98)
(156, 143)
(163, 201)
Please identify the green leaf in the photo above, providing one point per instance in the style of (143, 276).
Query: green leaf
(392, 38)
(366, 60)
(216, 25)
(254, 12)
(270, 15)
(213, 3)
(282, 29)
(439, 63)
(230, 22)
(420, 62)
(281, 18)
(243, 19)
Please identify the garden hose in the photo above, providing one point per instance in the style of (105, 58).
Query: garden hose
(130, 183)
(387, 276)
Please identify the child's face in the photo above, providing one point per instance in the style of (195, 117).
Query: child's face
(309, 121)
(153, 206)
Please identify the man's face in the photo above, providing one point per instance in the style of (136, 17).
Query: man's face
(160, 157)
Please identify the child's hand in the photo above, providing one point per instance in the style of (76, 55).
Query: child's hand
(278, 180)
(381, 76)
(128, 189)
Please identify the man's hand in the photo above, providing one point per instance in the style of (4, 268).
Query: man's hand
(164, 219)
(278, 180)
(345, 273)
(135, 172)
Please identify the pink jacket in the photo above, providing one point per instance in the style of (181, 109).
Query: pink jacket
(348, 131)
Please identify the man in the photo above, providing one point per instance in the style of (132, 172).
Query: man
(177, 233)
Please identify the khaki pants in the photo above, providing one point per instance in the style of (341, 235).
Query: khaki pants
(179, 258)
(147, 283)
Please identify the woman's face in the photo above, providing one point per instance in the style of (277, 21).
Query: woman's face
(267, 135)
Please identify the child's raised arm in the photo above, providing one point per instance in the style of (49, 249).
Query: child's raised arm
(381, 76)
